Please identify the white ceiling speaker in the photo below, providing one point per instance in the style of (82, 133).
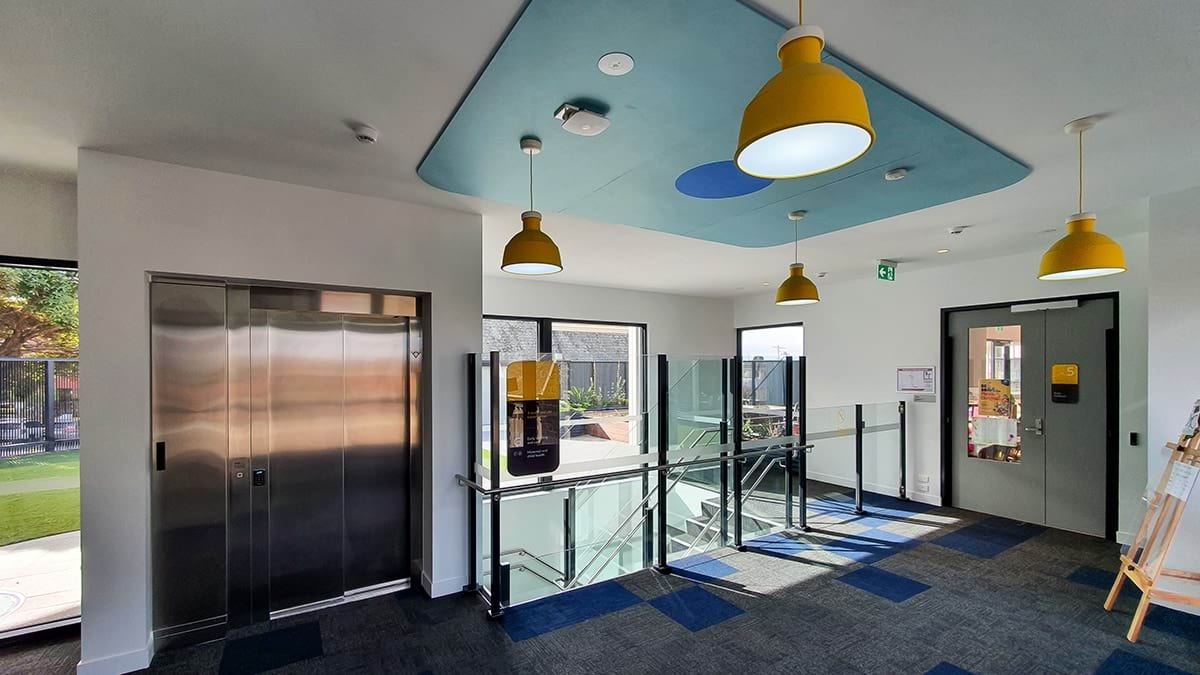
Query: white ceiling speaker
(365, 133)
(579, 121)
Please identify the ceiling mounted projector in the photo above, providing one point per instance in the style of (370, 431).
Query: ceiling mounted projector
(579, 121)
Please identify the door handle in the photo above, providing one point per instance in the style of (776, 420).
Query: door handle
(1037, 427)
(160, 456)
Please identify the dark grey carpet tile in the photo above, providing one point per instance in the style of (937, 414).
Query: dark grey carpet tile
(1019, 612)
(54, 654)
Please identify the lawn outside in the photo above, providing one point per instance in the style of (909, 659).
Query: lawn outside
(42, 465)
(31, 515)
(39, 512)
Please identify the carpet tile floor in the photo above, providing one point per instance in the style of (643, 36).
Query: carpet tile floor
(904, 588)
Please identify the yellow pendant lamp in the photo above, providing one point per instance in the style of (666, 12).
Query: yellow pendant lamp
(797, 289)
(1084, 253)
(531, 252)
(808, 119)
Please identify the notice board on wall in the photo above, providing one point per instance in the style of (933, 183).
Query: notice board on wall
(915, 380)
(532, 409)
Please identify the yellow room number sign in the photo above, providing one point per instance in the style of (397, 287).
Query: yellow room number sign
(1064, 383)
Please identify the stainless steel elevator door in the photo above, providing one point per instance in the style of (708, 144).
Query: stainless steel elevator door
(305, 391)
(376, 450)
(187, 487)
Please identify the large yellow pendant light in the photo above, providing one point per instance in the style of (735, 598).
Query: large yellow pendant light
(808, 119)
(797, 289)
(1084, 253)
(531, 252)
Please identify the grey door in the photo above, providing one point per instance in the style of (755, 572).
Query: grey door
(1076, 431)
(1029, 440)
(998, 467)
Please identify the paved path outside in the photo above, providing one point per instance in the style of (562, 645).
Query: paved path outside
(45, 573)
(17, 487)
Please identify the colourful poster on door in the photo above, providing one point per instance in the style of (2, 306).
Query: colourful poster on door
(995, 399)
(533, 393)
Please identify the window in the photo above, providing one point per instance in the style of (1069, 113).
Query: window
(39, 447)
(764, 351)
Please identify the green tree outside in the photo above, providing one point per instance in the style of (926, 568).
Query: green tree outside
(39, 313)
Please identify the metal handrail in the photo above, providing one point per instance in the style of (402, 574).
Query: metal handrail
(632, 512)
(568, 482)
(719, 512)
(526, 552)
(591, 494)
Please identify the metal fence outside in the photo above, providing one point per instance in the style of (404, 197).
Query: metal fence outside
(39, 406)
(609, 380)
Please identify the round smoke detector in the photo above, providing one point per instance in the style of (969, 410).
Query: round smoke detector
(615, 64)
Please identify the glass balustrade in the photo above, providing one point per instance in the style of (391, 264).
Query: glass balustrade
(573, 482)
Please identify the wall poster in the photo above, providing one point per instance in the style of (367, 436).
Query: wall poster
(533, 399)
(915, 380)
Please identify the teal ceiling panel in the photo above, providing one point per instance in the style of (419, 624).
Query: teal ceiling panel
(698, 62)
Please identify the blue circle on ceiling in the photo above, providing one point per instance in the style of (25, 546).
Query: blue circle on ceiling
(718, 180)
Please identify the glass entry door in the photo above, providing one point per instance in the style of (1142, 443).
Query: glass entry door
(1030, 437)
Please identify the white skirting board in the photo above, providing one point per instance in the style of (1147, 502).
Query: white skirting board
(443, 586)
(114, 664)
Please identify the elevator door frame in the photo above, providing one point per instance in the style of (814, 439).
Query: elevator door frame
(1112, 398)
(416, 306)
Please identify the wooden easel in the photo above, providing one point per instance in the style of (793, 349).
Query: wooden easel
(1143, 562)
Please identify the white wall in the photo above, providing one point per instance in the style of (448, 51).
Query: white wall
(676, 325)
(136, 216)
(1174, 369)
(864, 328)
(37, 217)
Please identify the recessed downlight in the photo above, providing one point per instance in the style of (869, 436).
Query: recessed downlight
(943, 251)
(896, 174)
(615, 64)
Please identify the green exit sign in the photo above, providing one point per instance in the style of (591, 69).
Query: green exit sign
(887, 270)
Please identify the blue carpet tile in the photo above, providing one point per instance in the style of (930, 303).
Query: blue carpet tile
(1103, 580)
(1175, 622)
(947, 668)
(701, 568)
(874, 501)
(884, 584)
(780, 546)
(267, 651)
(567, 609)
(871, 546)
(989, 538)
(695, 608)
(1121, 662)
(1179, 624)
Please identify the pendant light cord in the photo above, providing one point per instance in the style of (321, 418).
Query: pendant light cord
(800, 11)
(796, 242)
(1080, 173)
(531, 181)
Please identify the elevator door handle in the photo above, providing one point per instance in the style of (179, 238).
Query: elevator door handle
(160, 456)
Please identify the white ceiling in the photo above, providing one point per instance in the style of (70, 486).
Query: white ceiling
(265, 88)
